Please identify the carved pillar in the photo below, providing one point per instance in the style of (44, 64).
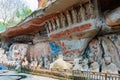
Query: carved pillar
(74, 16)
(58, 22)
(82, 10)
(68, 18)
(53, 24)
(63, 20)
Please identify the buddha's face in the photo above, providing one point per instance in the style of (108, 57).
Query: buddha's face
(107, 60)
(91, 59)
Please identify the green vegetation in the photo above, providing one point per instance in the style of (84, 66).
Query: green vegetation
(20, 15)
(23, 13)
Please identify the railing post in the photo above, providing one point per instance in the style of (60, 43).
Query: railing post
(73, 74)
(105, 76)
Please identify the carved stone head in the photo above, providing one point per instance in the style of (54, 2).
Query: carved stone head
(91, 57)
(107, 59)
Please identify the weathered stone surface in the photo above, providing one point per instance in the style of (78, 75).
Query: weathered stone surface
(68, 33)
(113, 17)
(19, 51)
(109, 66)
(41, 49)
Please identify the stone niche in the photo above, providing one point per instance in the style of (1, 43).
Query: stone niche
(105, 45)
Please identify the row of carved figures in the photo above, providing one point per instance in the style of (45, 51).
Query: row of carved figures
(75, 15)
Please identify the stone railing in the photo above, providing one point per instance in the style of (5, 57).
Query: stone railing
(68, 74)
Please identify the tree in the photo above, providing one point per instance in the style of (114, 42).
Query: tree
(24, 12)
(8, 9)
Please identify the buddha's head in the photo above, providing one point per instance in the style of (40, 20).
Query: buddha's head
(107, 59)
(91, 57)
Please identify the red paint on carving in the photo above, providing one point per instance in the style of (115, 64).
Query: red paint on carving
(69, 32)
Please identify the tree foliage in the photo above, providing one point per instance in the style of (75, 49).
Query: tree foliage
(25, 11)
(12, 11)
(8, 9)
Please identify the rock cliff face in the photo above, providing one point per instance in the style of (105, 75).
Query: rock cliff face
(100, 46)
(77, 29)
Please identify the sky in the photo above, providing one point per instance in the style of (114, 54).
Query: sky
(32, 4)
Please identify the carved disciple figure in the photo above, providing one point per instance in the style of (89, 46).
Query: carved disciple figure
(109, 67)
(53, 24)
(58, 22)
(80, 64)
(82, 11)
(40, 63)
(91, 9)
(85, 65)
(63, 20)
(25, 62)
(94, 66)
(109, 49)
(95, 47)
(77, 64)
(69, 20)
(74, 16)
(79, 18)
(35, 63)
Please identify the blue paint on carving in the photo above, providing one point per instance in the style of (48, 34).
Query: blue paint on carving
(55, 49)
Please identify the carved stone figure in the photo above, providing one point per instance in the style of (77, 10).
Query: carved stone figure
(95, 47)
(91, 9)
(53, 24)
(74, 16)
(25, 63)
(31, 65)
(60, 63)
(69, 20)
(79, 16)
(77, 64)
(85, 66)
(109, 67)
(109, 49)
(94, 66)
(82, 10)
(80, 64)
(63, 20)
(40, 63)
(58, 22)
(35, 63)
